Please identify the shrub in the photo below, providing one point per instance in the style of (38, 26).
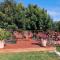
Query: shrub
(4, 34)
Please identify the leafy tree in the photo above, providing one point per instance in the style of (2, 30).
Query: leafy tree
(39, 19)
(14, 15)
(8, 11)
(57, 26)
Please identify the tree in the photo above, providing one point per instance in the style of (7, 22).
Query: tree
(58, 26)
(20, 15)
(8, 10)
(39, 19)
(28, 18)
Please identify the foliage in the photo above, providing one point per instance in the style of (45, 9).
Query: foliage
(28, 18)
(4, 34)
(58, 48)
(56, 26)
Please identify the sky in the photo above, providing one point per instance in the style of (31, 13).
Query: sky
(52, 6)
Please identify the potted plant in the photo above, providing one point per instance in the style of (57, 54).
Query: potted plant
(26, 35)
(3, 35)
(44, 39)
(44, 42)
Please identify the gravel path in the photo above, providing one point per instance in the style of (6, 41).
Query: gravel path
(27, 49)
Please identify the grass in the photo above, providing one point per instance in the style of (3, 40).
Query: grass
(29, 56)
(58, 48)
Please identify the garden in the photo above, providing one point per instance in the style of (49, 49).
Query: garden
(27, 27)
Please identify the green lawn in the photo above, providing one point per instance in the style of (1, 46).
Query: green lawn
(58, 48)
(29, 56)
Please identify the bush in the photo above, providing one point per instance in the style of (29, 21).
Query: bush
(4, 34)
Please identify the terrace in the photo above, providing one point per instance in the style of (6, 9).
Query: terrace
(29, 41)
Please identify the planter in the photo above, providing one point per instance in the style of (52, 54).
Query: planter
(4, 34)
(44, 42)
(26, 35)
(2, 44)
